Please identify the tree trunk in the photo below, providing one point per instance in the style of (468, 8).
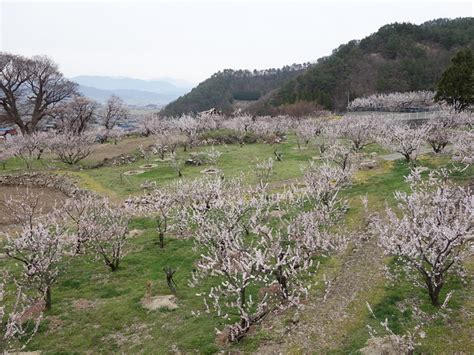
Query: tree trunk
(434, 295)
(282, 281)
(114, 266)
(243, 321)
(162, 240)
(47, 298)
(23, 129)
(40, 153)
(433, 291)
(28, 129)
(78, 247)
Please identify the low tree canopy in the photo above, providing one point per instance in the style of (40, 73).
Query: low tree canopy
(456, 86)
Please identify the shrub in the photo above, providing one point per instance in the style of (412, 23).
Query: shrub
(228, 136)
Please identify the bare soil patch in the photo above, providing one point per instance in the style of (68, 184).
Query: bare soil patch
(133, 172)
(211, 171)
(54, 323)
(83, 304)
(110, 150)
(48, 198)
(131, 336)
(162, 160)
(148, 166)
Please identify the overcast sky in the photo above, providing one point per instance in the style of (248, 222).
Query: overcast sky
(192, 39)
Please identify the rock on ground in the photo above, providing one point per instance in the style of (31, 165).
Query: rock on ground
(388, 345)
(158, 302)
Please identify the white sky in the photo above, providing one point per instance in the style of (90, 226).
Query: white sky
(193, 39)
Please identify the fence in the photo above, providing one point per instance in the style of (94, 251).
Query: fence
(409, 116)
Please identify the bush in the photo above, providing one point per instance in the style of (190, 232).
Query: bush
(228, 136)
(197, 159)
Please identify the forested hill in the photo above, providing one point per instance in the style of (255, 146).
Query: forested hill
(398, 57)
(226, 87)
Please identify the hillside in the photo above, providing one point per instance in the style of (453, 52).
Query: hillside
(398, 57)
(222, 88)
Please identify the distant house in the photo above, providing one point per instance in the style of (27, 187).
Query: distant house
(7, 132)
(47, 126)
(212, 111)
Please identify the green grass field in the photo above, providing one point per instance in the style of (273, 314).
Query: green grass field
(95, 310)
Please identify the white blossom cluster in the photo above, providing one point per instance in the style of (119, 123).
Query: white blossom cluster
(12, 325)
(394, 102)
(401, 138)
(433, 230)
(359, 130)
(248, 240)
(45, 242)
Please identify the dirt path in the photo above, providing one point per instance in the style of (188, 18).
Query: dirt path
(326, 321)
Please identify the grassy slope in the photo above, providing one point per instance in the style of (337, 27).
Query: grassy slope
(115, 320)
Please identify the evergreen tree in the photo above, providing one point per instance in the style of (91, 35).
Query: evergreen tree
(456, 86)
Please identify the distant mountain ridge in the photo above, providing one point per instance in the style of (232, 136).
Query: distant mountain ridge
(398, 57)
(130, 97)
(132, 91)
